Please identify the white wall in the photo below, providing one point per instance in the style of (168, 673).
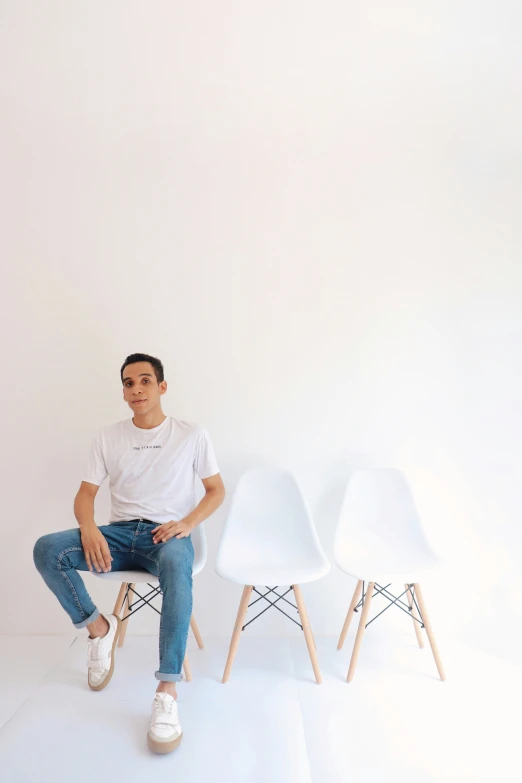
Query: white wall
(310, 212)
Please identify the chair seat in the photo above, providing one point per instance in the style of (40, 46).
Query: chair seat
(137, 575)
(373, 566)
(128, 576)
(381, 578)
(272, 575)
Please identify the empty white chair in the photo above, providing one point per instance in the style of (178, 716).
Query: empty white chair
(126, 600)
(269, 538)
(379, 539)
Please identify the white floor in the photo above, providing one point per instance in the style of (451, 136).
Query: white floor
(396, 722)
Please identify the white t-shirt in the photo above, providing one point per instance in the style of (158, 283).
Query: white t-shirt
(152, 472)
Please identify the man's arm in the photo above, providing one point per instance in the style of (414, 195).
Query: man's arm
(213, 498)
(94, 543)
(84, 504)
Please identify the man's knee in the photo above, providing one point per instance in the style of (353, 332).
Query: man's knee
(48, 548)
(175, 561)
(42, 550)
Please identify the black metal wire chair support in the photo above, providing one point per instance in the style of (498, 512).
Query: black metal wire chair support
(133, 608)
(272, 603)
(395, 602)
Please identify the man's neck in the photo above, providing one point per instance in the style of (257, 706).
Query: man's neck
(149, 420)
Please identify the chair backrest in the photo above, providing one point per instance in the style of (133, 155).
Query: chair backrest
(379, 502)
(199, 542)
(268, 519)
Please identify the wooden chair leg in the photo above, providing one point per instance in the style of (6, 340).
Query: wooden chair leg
(128, 603)
(429, 630)
(186, 669)
(195, 631)
(313, 637)
(355, 600)
(360, 631)
(119, 601)
(307, 632)
(243, 606)
(414, 613)
(199, 640)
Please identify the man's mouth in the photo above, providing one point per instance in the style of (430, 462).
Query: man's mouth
(137, 402)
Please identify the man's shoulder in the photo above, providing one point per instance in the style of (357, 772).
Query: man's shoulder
(188, 428)
(115, 428)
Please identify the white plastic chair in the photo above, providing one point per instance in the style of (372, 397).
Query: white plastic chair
(129, 579)
(269, 538)
(379, 539)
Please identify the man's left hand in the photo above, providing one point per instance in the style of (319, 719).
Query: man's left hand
(167, 530)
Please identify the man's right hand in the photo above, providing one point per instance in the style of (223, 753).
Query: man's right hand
(96, 548)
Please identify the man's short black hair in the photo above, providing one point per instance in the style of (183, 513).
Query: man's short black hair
(144, 357)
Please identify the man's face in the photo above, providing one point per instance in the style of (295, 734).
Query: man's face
(139, 383)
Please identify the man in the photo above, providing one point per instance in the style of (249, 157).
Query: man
(151, 461)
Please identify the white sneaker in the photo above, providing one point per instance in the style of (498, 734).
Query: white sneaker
(164, 732)
(100, 654)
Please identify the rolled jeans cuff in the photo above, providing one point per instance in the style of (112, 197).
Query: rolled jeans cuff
(167, 677)
(94, 616)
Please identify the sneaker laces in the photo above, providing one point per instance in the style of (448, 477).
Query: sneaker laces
(94, 655)
(92, 648)
(164, 707)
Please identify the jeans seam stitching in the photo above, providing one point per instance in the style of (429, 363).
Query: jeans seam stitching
(75, 595)
(141, 554)
(65, 576)
(161, 617)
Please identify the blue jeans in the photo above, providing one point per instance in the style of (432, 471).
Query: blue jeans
(59, 556)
